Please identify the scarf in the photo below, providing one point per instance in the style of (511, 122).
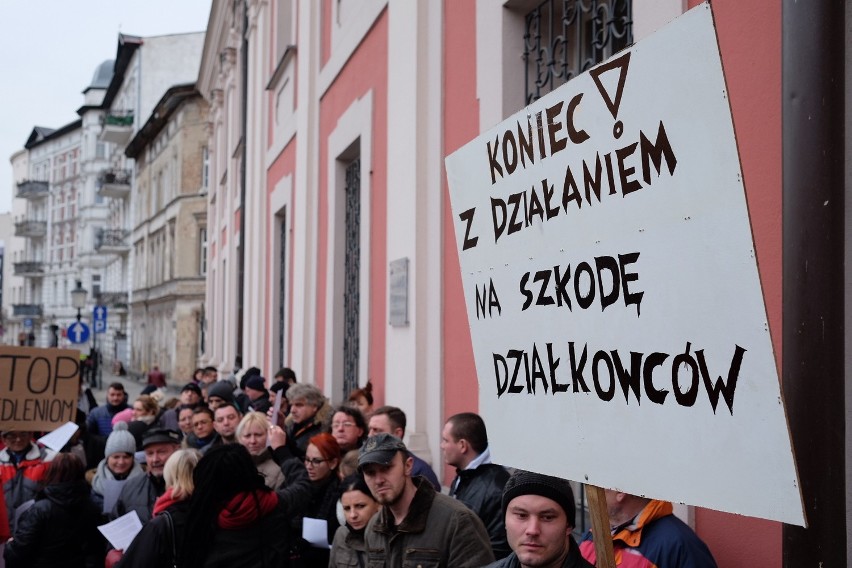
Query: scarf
(245, 508)
(164, 501)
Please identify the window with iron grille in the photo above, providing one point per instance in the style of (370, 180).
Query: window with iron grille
(351, 286)
(564, 38)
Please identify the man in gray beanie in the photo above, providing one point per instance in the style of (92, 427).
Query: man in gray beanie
(539, 512)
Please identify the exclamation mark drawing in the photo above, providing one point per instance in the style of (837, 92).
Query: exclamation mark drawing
(608, 81)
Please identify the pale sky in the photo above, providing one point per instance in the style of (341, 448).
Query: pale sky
(49, 50)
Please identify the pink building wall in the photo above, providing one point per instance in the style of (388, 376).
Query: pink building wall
(750, 42)
(365, 71)
(461, 124)
(283, 166)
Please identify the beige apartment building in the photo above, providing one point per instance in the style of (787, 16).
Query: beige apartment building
(169, 235)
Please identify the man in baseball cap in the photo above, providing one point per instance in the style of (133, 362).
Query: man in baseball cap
(416, 525)
(539, 513)
(140, 493)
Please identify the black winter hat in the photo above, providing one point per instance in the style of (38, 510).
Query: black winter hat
(223, 390)
(528, 483)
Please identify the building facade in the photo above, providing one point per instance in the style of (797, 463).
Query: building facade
(169, 235)
(331, 241)
(145, 68)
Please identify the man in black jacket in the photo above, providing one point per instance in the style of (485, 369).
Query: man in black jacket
(478, 483)
(539, 513)
(140, 493)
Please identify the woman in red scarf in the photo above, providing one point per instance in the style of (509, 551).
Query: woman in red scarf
(234, 520)
(160, 541)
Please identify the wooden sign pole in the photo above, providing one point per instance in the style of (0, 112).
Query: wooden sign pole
(604, 556)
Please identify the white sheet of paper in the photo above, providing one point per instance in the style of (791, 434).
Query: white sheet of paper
(112, 489)
(121, 532)
(57, 439)
(315, 531)
(276, 408)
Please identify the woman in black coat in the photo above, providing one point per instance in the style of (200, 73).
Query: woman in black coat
(60, 529)
(160, 542)
(234, 519)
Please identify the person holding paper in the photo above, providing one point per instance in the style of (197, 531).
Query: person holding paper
(23, 464)
(160, 542)
(322, 458)
(60, 529)
(359, 506)
(234, 518)
(118, 465)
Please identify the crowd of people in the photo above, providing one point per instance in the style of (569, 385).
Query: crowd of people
(241, 471)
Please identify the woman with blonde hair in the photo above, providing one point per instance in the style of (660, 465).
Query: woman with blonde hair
(253, 433)
(145, 411)
(160, 541)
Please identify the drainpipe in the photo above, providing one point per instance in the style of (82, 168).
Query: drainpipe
(244, 125)
(813, 284)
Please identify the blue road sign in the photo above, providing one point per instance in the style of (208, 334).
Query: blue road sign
(78, 332)
(99, 319)
(28, 323)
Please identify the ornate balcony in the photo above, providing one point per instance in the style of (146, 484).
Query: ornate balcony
(30, 269)
(114, 183)
(31, 229)
(26, 310)
(112, 241)
(33, 189)
(117, 127)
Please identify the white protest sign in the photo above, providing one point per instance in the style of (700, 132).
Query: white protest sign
(613, 296)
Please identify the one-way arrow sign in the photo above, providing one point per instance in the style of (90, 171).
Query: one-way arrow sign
(78, 332)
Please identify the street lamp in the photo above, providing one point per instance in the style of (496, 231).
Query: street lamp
(78, 298)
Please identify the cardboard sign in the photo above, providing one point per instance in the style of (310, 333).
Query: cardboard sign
(38, 388)
(613, 295)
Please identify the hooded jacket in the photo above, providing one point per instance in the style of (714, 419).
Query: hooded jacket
(60, 529)
(20, 482)
(655, 537)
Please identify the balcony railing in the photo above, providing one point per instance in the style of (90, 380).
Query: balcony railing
(26, 310)
(119, 118)
(33, 189)
(31, 229)
(32, 268)
(115, 300)
(117, 127)
(114, 183)
(112, 241)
